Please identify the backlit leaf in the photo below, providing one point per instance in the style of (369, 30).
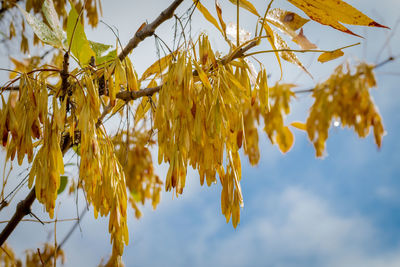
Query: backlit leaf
(52, 18)
(76, 37)
(333, 13)
(42, 30)
(99, 48)
(287, 54)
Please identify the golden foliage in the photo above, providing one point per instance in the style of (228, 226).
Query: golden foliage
(8, 258)
(46, 257)
(33, 257)
(277, 132)
(100, 171)
(198, 118)
(141, 181)
(48, 164)
(32, 100)
(345, 97)
(208, 107)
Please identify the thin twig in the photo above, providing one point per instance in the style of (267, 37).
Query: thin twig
(390, 59)
(149, 29)
(24, 206)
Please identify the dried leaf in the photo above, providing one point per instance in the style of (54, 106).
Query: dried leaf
(303, 42)
(286, 21)
(287, 54)
(219, 13)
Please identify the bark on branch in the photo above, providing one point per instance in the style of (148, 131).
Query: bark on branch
(149, 29)
(24, 206)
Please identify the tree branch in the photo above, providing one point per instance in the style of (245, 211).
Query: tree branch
(24, 206)
(149, 29)
(378, 65)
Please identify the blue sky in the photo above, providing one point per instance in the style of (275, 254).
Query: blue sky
(299, 210)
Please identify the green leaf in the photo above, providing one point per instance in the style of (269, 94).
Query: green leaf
(42, 30)
(109, 57)
(63, 184)
(135, 195)
(52, 19)
(99, 48)
(80, 46)
(77, 149)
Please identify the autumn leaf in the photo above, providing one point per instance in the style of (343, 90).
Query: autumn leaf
(246, 5)
(299, 125)
(207, 15)
(328, 56)
(303, 42)
(333, 13)
(42, 31)
(77, 40)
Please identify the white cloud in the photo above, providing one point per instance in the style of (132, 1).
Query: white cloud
(298, 229)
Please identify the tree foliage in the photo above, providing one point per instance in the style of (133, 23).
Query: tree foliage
(199, 106)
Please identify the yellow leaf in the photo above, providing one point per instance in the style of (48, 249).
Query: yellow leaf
(203, 76)
(142, 109)
(332, 12)
(219, 13)
(299, 125)
(207, 15)
(157, 67)
(246, 5)
(285, 139)
(285, 20)
(271, 39)
(328, 56)
(303, 42)
(288, 55)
